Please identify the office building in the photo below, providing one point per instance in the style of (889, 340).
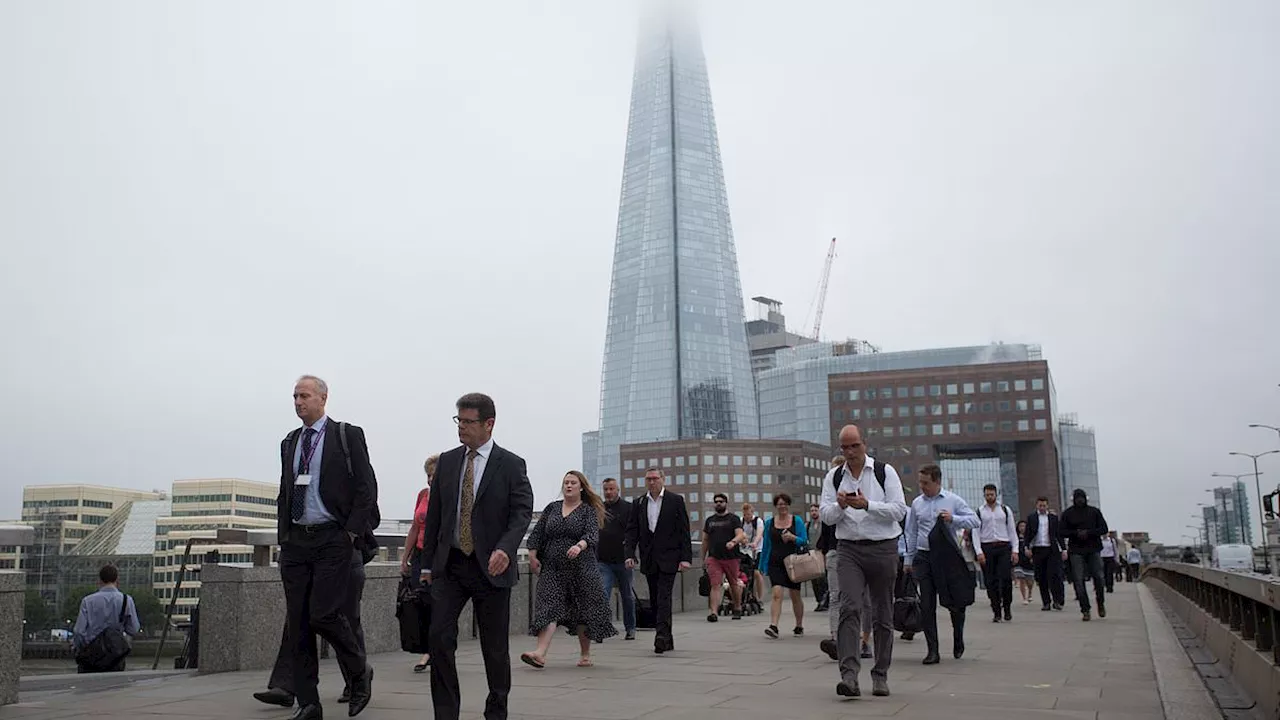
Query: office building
(1227, 520)
(1078, 455)
(62, 516)
(768, 334)
(198, 509)
(676, 364)
(126, 540)
(984, 423)
(745, 470)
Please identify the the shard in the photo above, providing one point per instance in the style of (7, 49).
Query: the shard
(676, 363)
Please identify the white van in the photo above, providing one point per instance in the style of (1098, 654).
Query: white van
(1234, 556)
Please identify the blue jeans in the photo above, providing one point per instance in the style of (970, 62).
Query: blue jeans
(618, 572)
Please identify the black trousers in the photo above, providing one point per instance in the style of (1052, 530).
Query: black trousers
(1109, 572)
(820, 589)
(1049, 575)
(316, 569)
(661, 587)
(929, 604)
(997, 575)
(464, 578)
(282, 673)
(1086, 566)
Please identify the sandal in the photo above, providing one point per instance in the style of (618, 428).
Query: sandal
(585, 663)
(533, 660)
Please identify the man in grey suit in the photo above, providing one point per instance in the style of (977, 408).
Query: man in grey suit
(481, 505)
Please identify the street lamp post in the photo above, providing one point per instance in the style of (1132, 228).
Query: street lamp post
(1239, 505)
(1262, 519)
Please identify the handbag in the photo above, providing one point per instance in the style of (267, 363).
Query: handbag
(413, 610)
(704, 584)
(906, 608)
(805, 566)
(111, 646)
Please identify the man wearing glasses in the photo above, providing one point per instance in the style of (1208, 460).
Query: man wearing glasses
(480, 508)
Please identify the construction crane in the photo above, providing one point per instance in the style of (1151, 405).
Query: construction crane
(822, 289)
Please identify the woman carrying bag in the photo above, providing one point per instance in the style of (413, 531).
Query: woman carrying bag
(784, 535)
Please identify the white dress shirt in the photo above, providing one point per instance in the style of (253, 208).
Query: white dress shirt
(655, 507)
(1108, 547)
(1042, 532)
(885, 507)
(477, 472)
(997, 526)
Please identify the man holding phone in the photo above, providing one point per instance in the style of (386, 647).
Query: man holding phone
(863, 499)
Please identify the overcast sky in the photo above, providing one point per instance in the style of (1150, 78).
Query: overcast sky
(199, 202)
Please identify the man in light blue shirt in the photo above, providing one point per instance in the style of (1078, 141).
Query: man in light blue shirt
(100, 612)
(932, 506)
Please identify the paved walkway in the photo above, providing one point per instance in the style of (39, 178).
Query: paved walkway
(1042, 665)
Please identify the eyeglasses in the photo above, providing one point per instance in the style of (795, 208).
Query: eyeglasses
(465, 421)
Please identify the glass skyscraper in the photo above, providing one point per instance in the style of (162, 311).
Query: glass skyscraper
(676, 363)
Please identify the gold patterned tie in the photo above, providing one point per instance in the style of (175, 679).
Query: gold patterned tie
(465, 541)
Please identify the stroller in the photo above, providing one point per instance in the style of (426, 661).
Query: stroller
(746, 580)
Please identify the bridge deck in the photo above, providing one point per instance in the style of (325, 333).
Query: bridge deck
(1042, 665)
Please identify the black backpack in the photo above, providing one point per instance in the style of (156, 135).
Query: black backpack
(111, 646)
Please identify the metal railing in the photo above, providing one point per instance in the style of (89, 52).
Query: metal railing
(1248, 603)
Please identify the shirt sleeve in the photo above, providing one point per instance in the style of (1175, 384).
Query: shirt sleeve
(910, 533)
(1011, 526)
(962, 516)
(829, 510)
(132, 625)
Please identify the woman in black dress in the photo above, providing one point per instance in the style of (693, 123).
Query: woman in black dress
(784, 535)
(570, 592)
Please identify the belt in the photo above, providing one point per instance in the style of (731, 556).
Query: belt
(870, 542)
(309, 529)
(997, 543)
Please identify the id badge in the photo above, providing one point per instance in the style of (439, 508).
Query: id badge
(303, 480)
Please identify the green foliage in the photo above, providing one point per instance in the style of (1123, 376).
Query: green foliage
(150, 611)
(36, 613)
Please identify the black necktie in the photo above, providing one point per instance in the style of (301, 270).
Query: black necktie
(298, 501)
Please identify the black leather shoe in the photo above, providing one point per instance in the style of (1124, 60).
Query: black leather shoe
(274, 696)
(1102, 610)
(844, 689)
(308, 712)
(932, 659)
(828, 646)
(345, 697)
(361, 692)
(957, 649)
(1008, 614)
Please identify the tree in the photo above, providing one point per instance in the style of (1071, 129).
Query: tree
(150, 611)
(71, 606)
(36, 612)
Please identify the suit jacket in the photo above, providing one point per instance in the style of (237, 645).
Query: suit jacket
(500, 514)
(1033, 527)
(662, 549)
(351, 499)
(948, 568)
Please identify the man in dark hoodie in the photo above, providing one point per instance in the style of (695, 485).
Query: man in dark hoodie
(1083, 527)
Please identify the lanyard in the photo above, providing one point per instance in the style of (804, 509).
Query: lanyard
(314, 445)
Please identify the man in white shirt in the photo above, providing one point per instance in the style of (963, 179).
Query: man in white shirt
(863, 499)
(1109, 561)
(997, 553)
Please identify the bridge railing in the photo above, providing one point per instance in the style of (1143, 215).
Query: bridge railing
(1236, 615)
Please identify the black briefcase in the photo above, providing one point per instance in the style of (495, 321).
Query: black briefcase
(413, 610)
(645, 616)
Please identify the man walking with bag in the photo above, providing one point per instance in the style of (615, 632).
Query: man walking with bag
(107, 618)
(997, 553)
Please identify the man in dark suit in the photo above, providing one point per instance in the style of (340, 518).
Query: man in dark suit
(326, 508)
(1042, 544)
(481, 505)
(659, 526)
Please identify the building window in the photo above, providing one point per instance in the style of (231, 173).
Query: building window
(920, 411)
(737, 460)
(1006, 426)
(888, 432)
(954, 428)
(693, 515)
(626, 483)
(666, 462)
(1037, 404)
(872, 413)
(887, 413)
(872, 432)
(989, 426)
(984, 387)
(737, 478)
(767, 479)
(653, 462)
(917, 391)
(870, 394)
(1003, 406)
(936, 410)
(953, 389)
(1020, 385)
(1002, 386)
(753, 479)
(627, 465)
(752, 461)
(680, 461)
(953, 408)
(694, 497)
(922, 450)
(708, 460)
(766, 459)
(922, 430)
(753, 497)
(737, 497)
(854, 414)
(1021, 405)
(903, 411)
(886, 393)
(937, 429)
(904, 431)
(679, 479)
(708, 478)
(1042, 424)
(1024, 425)
(988, 407)
(935, 390)
(968, 388)
(971, 428)
(693, 460)
(723, 461)
(724, 478)
(902, 393)
(1037, 383)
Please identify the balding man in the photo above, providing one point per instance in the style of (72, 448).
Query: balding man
(863, 499)
(328, 505)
